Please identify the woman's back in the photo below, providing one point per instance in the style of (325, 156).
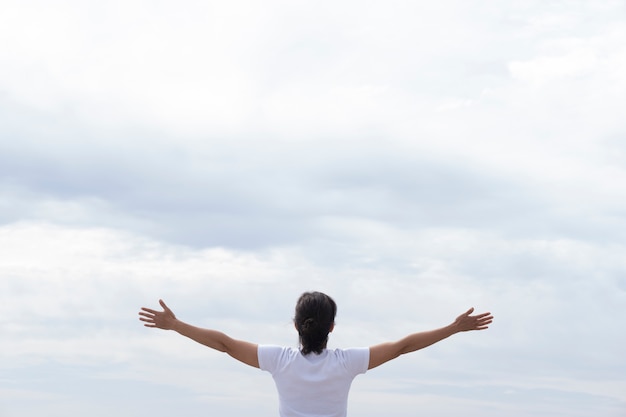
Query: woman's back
(313, 385)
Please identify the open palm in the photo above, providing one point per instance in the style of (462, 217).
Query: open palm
(158, 319)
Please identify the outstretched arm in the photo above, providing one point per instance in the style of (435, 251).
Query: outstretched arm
(384, 352)
(245, 352)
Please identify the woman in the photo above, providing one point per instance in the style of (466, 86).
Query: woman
(312, 381)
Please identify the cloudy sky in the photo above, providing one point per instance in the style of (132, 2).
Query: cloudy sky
(411, 159)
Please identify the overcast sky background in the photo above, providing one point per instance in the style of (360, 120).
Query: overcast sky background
(411, 159)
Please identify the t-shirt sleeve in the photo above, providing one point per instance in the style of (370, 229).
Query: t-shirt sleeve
(270, 357)
(357, 360)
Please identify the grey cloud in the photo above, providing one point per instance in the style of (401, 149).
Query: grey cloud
(237, 197)
(227, 194)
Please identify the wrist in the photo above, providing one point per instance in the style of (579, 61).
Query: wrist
(453, 328)
(176, 325)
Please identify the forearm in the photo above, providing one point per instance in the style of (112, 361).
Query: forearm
(211, 338)
(421, 340)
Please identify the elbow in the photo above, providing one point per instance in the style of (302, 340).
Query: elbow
(404, 348)
(225, 345)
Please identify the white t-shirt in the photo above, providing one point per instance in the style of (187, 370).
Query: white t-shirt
(313, 385)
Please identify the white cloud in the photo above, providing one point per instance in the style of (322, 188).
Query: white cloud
(411, 159)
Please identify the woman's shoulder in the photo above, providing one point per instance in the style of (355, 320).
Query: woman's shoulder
(355, 358)
(350, 350)
(272, 357)
(277, 349)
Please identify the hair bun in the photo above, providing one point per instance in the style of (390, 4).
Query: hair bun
(308, 323)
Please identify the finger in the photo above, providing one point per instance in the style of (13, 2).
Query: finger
(150, 320)
(141, 313)
(166, 308)
(470, 311)
(150, 325)
(149, 310)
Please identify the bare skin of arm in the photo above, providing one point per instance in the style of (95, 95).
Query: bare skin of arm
(385, 352)
(243, 351)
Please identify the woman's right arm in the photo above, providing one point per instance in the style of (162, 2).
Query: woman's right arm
(385, 352)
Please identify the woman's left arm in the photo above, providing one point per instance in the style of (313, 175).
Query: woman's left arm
(243, 351)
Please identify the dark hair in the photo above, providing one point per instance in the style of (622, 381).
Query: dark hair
(315, 315)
